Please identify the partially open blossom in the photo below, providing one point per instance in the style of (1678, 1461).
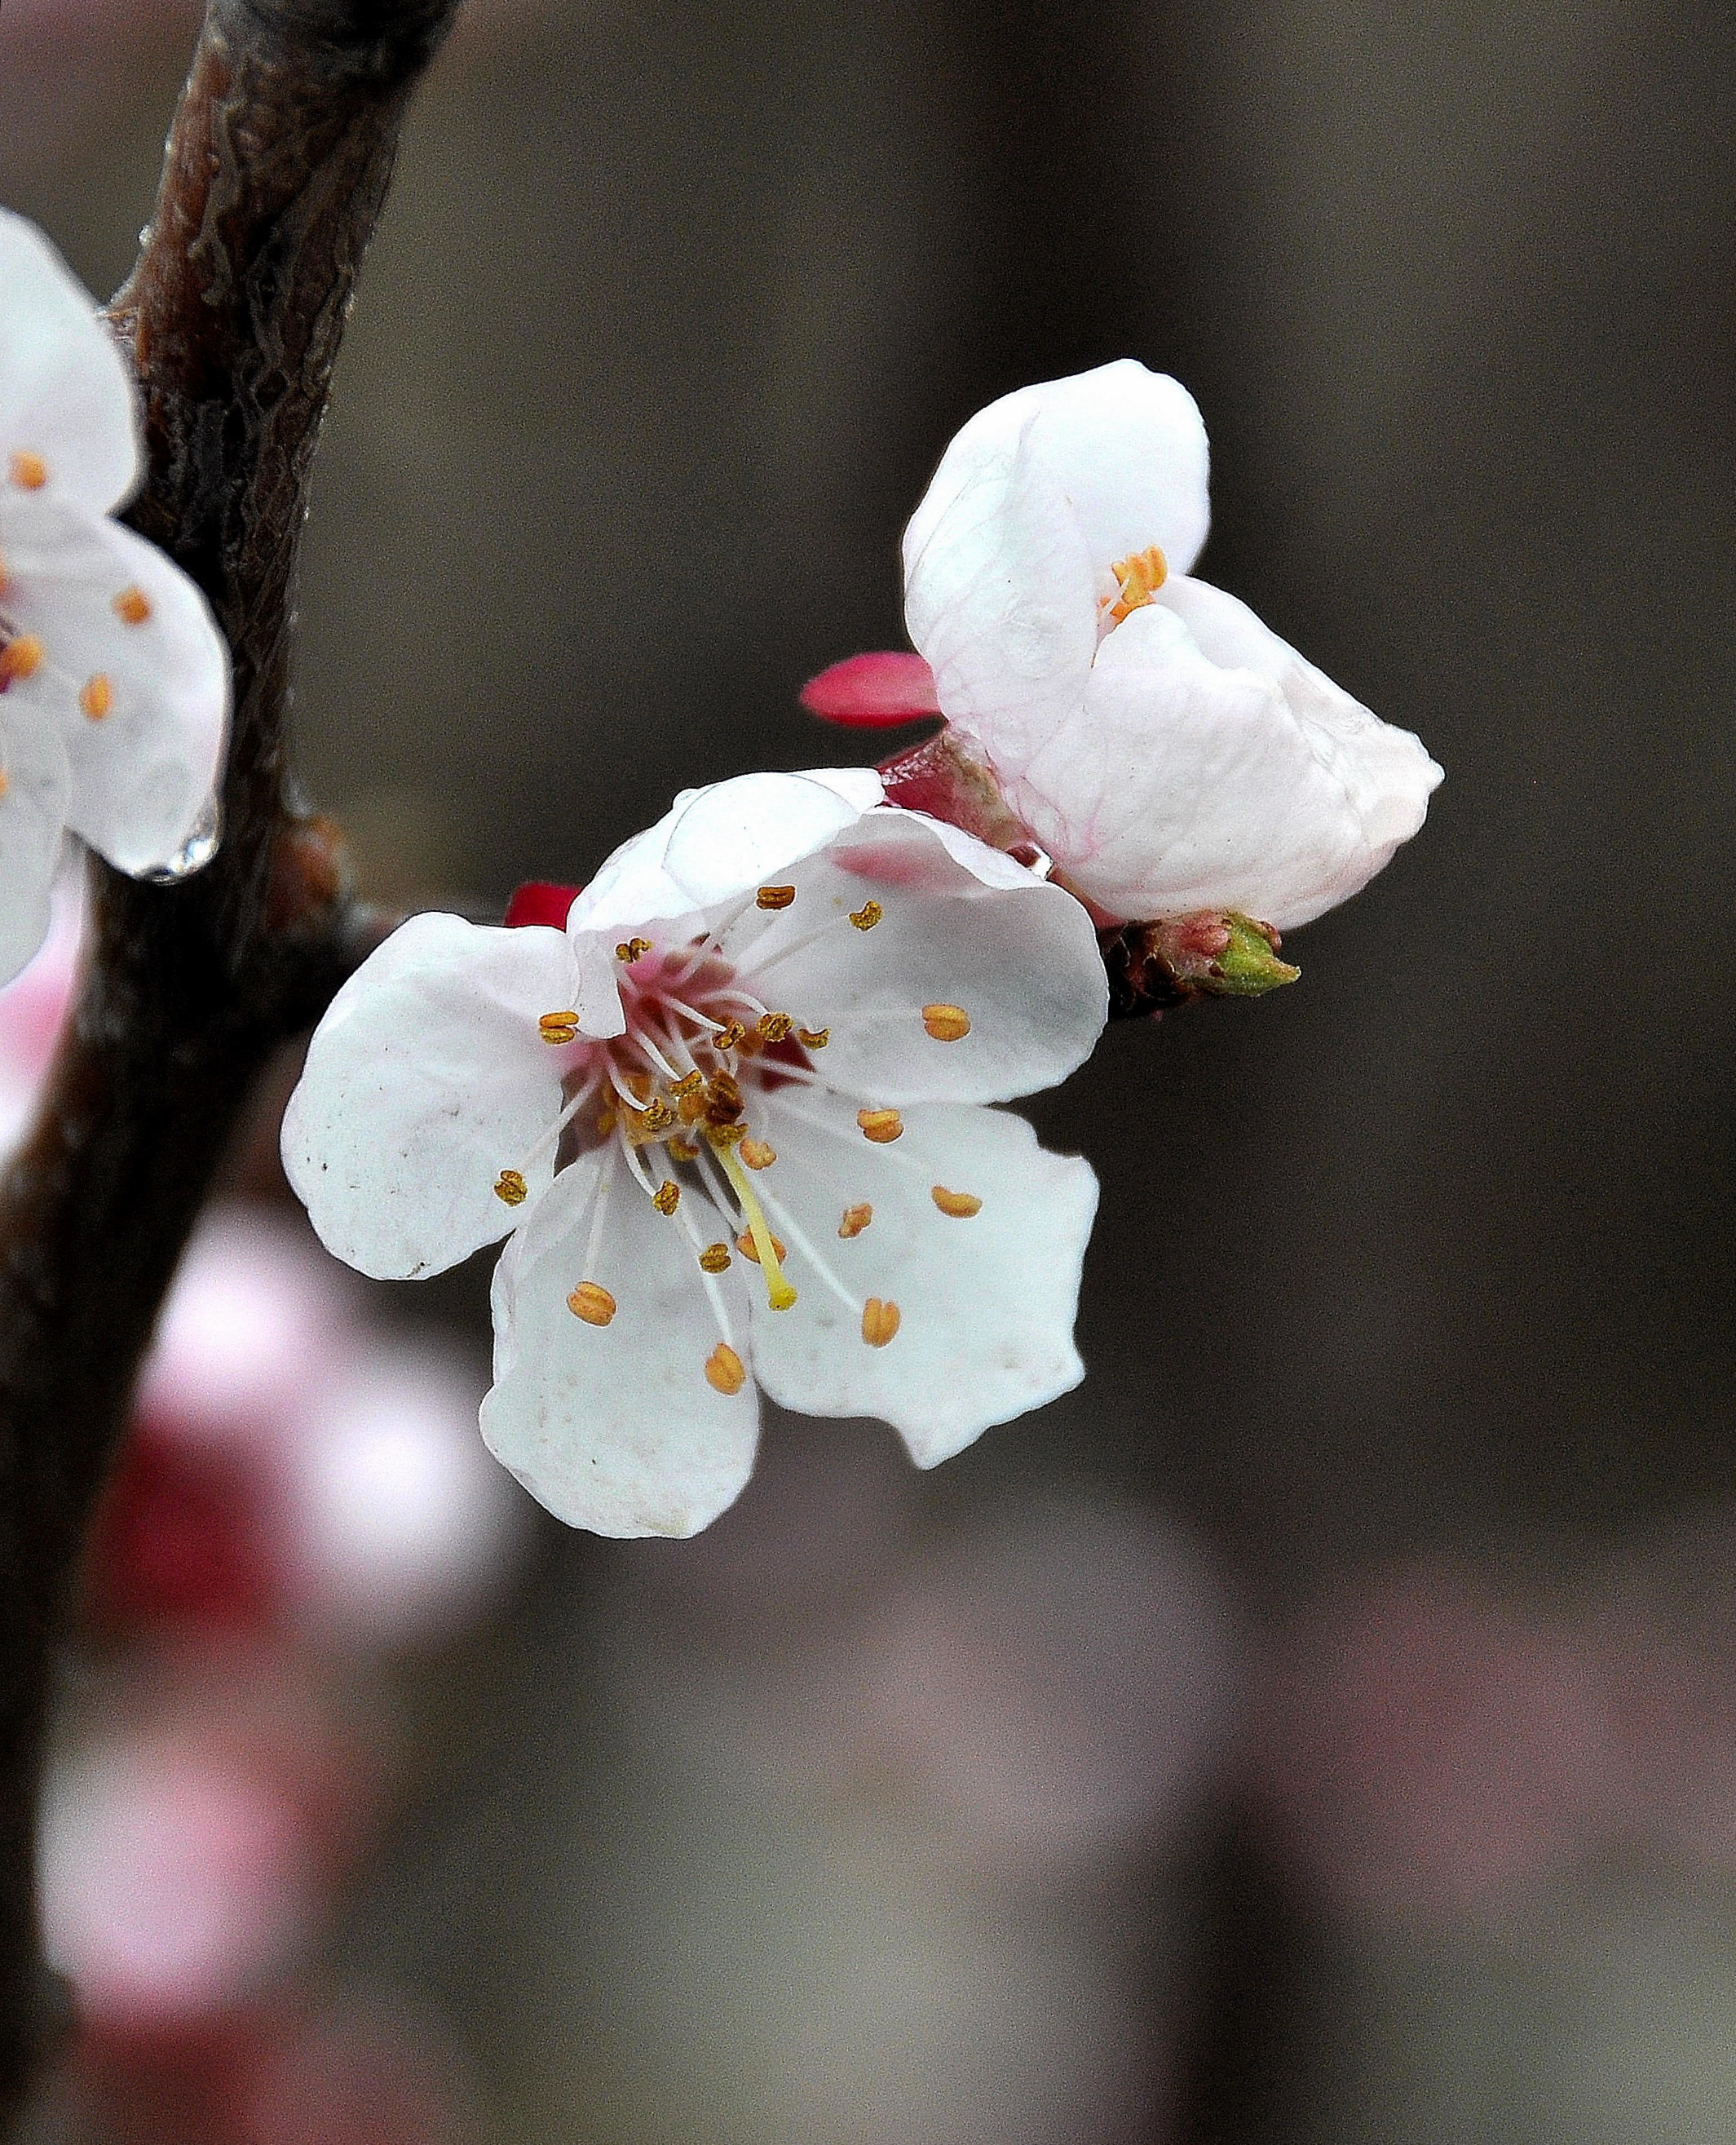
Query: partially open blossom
(732, 1116)
(1168, 751)
(113, 679)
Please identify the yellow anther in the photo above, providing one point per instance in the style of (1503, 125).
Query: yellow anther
(778, 1292)
(813, 1038)
(773, 1027)
(29, 472)
(691, 1108)
(718, 1136)
(690, 1083)
(947, 1023)
(725, 1372)
(867, 916)
(745, 1245)
(96, 696)
(133, 606)
(714, 1257)
(756, 1154)
(592, 1302)
(730, 1037)
(1140, 576)
(879, 1322)
(650, 1122)
(722, 1099)
(606, 1120)
(882, 1127)
(775, 896)
(5, 783)
(21, 658)
(630, 949)
(681, 1150)
(667, 1198)
(960, 1205)
(856, 1219)
(510, 1186)
(558, 1027)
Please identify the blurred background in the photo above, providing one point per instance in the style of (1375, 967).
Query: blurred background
(1323, 1724)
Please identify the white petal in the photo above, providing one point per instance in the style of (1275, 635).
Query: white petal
(33, 820)
(426, 1078)
(986, 1303)
(66, 394)
(715, 845)
(1212, 767)
(962, 925)
(615, 1427)
(1126, 447)
(142, 772)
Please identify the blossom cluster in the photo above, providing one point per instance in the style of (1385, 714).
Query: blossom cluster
(731, 1106)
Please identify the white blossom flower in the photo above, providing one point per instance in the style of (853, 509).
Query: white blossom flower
(1165, 750)
(114, 681)
(734, 1109)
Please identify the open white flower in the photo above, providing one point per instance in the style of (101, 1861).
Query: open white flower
(732, 1114)
(1167, 752)
(114, 681)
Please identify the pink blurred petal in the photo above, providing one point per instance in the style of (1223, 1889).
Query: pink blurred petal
(541, 901)
(872, 692)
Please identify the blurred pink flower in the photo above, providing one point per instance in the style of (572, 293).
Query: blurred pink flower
(1423, 1747)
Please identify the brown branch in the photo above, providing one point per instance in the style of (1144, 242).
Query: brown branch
(280, 158)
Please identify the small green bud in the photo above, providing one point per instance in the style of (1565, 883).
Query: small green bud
(1249, 965)
(1216, 953)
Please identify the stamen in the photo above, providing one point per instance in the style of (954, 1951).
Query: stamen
(779, 1294)
(650, 1122)
(813, 1038)
(96, 696)
(774, 1027)
(879, 1322)
(592, 1302)
(632, 950)
(1140, 576)
(681, 1150)
(961, 1205)
(21, 658)
(667, 1198)
(510, 1186)
(690, 1083)
(947, 1023)
(714, 1258)
(133, 606)
(745, 1245)
(856, 1219)
(29, 472)
(774, 897)
(867, 916)
(731, 1037)
(558, 1028)
(724, 1370)
(722, 1099)
(756, 1154)
(882, 1127)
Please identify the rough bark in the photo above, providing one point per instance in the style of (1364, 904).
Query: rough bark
(278, 162)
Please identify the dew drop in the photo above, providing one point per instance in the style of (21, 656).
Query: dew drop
(194, 853)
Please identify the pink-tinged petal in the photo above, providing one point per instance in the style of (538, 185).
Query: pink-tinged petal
(961, 925)
(66, 398)
(614, 1425)
(874, 692)
(541, 901)
(427, 1078)
(715, 845)
(986, 1301)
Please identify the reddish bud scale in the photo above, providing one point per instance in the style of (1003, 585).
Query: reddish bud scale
(541, 901)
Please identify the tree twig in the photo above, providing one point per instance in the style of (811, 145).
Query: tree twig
(279, 160)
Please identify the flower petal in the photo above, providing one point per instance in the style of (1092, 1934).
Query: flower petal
(66, 394)
(615, 1427)
(872, 692)
(32, 821)
(986, 1303)
(144, 762)
(715, 845)
(962, 926)
(1212, 767)
(427, 1077)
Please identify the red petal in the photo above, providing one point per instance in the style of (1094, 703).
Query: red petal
(541, 901)
(872, 692)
